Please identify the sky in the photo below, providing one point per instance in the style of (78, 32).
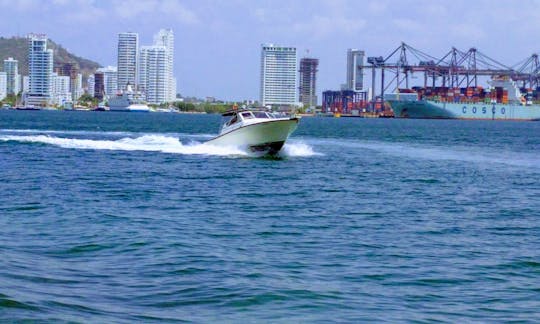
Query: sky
(218, 42)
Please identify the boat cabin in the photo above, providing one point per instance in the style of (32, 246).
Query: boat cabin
(237, 118)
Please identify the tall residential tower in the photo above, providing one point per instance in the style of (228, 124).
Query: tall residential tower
(278, 75)
(308, 81)
(153, 74)
(110, 80)
(165, 37)
(40, 71)
(156, 69)
(128, 44)
(11, 67)
(355, 61)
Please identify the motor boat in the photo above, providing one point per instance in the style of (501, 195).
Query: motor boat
(260, 132)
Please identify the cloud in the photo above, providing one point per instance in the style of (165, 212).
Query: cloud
(175, 8)
(405, 24)
(129, 9)
(467, 31)
(20, 5)
(377, 7)
(325, 26)
(81, 11)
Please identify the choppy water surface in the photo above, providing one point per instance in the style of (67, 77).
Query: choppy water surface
(111, 217)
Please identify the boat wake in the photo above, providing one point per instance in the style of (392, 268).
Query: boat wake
(481, 156)
(297, 149)
(151, 143)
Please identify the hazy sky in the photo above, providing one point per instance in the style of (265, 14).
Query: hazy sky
(217, 43)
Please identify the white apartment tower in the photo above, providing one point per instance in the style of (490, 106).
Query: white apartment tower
(25, 84)
(128, 44)
(110, 74)
(156, 69)
(11, 67)
(77, 89)
(61, 90)
(165, 37)
(91, 84)
(153, 74)
(355, 61)
(278, 75)
(40, 71)
(3, 85)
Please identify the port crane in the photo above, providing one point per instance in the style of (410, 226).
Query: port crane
(456, 68)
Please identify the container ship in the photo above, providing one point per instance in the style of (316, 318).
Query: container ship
(504, 100)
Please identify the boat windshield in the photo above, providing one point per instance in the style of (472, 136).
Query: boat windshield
(231, 121)
(247, 115)
(261, 114)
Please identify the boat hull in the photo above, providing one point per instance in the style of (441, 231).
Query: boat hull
(445, 110)
(132, 108)
(263, 138)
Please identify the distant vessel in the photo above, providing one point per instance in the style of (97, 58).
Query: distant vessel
(259, 131)
(128, 100)
(504, 101)
(29, 107)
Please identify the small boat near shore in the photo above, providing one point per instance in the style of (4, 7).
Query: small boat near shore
(256, 130)
(28, 108)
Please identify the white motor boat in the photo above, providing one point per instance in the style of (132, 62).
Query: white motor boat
(259, 131)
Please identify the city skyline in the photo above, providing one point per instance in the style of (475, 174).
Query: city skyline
(222, 38)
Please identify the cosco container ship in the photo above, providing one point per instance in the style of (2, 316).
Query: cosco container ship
(504, 101)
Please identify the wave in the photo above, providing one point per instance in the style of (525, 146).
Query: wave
(96, 132)
(297, 149)
(152, 143)
(485, 156)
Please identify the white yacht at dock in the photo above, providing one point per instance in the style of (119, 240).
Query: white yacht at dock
(128, 100)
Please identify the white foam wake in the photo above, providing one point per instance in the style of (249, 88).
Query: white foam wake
(153, 143)
(297, 149)
(117, 134)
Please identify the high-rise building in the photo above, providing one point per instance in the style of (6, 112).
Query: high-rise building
(61, 91)
(66, 69)
(128, 44)
(165, 37)
(110, 74)
(25, 84)
(3, 85)
(11, 67)
(308, 80)
(71, 70)
(355, 77)
(90, 85)
(156, 78)
(99, 85)
(40, 71)
(77, 90)
(153, 74)
(278, 75)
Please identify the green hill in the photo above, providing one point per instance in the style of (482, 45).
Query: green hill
(17, 47)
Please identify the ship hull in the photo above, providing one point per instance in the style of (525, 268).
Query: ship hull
(130, 108)
(426, 109)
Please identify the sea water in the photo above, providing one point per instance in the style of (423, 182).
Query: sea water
(121, 217)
